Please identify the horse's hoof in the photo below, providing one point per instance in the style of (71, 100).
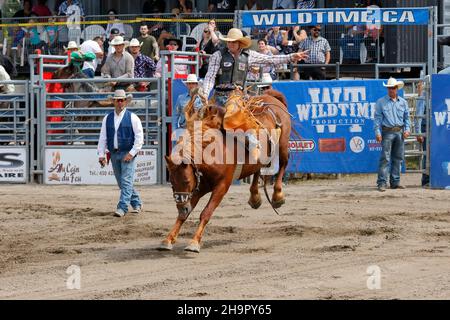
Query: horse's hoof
(193, 247)
(165, 246)
(255, 205)
(278, 204)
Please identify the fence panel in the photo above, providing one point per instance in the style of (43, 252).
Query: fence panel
(15, 133)
(70, 134)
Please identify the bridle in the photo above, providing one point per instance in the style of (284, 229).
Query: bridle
(183, 198)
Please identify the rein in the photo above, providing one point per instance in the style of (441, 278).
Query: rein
(184, 197)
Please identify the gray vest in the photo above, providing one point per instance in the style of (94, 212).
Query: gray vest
(231, 71)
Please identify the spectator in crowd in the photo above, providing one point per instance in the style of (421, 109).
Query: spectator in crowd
(94, 46)
(119, 64)
(52, 32)
(144, 67)
(122, 135)
(283, 4)
(319, 53)
(181, 70)
(25, 12)
(113, 23)
(184, 6)
(108, 48)
(306, 4)
(183, 99)
(181, 27)
(154, 6)
(421, 128)
(5, 88)
(70, 7)
(274, 39)
(162, 37)
(41, 9)
(63, 33)
(38, 36)
(292, 38)
(222, 6)
(251, 5)
(208, 45)
(264, 69)
(392, 126)
(149, 44)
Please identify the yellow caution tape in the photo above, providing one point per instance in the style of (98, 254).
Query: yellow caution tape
(137, 20)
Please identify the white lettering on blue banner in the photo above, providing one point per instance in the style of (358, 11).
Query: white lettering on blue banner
(391, 16)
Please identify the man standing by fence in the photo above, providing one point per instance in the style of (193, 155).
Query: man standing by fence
(122, 135)
(392, 126)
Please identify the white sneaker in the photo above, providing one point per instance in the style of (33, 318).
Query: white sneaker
(119, 213)
(136, 210)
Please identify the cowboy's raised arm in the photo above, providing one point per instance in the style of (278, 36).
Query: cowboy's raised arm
(256, 58)
(213, 68)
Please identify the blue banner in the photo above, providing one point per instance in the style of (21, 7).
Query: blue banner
(334, 120)
(440, 132)
(361, 16)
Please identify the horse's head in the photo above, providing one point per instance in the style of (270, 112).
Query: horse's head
(68, 72)
(185, 180)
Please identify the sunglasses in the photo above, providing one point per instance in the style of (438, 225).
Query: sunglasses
(120, 100)
(206, 31)
(318, 30)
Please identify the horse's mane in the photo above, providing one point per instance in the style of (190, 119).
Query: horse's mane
(277, 95)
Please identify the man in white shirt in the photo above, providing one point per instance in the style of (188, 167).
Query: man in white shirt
(122, 135)
(94, 46)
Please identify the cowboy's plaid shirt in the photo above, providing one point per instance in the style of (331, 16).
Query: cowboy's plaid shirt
(254, 59)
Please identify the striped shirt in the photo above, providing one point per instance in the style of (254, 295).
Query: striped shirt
(254, 59)
(317, 49)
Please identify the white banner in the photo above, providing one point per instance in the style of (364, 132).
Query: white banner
(13, 165)
(80, 166)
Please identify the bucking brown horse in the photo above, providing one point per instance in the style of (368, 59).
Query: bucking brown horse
(192, 180)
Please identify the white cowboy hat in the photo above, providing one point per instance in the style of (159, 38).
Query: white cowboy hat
(266, 80)
(121, 94)
(118, 40)
(72, 45)
(134, 43)
(191, 78)
(236, 35)
(392, 82)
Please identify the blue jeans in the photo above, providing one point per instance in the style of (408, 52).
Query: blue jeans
(89, 73)
(124, 173)
(391, 156)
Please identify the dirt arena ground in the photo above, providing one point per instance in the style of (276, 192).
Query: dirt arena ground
(329, 234)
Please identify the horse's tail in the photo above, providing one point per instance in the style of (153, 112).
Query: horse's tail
(277, 95)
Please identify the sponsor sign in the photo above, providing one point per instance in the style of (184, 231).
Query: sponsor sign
(440, 132)
(372, 16)
(80, 166)
(334, 122)
(13, 165)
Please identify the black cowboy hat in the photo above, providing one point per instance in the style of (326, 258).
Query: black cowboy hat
(178, 41)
